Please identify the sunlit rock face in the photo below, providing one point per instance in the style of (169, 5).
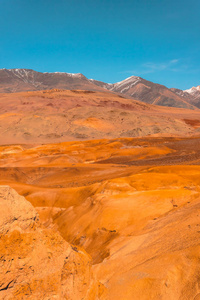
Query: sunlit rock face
(16, 212)
(36, 263)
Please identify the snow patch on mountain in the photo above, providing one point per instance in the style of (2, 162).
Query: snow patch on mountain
(26, 75)
(126, 84)
(193, 90)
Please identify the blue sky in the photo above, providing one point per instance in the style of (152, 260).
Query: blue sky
(158, 40)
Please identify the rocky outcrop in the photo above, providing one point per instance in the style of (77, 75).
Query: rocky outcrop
(35, 262)
(16, 212)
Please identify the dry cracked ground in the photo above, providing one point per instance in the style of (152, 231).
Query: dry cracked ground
(101, 219)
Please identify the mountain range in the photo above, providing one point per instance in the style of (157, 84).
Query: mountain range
(19, 80)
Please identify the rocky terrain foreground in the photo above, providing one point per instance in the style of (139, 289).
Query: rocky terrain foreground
(128, 211)
(36, 263)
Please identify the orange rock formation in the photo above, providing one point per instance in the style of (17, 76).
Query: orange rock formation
(36, 263)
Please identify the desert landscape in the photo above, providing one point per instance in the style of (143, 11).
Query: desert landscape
(99, 150)
(99, 197)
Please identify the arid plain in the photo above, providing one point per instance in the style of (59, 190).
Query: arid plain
(117, 193)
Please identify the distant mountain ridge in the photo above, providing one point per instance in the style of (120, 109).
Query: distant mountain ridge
(192, 94)
(18, 80)
(148, 92)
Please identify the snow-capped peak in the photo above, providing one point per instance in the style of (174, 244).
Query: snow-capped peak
(193, 90)
(65, 73)
(126, 83)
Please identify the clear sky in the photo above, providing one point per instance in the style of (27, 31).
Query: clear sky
(107, 40)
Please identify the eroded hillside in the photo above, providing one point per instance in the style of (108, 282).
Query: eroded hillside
(133, 205)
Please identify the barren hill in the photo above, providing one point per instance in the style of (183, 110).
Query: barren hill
(62, 115)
